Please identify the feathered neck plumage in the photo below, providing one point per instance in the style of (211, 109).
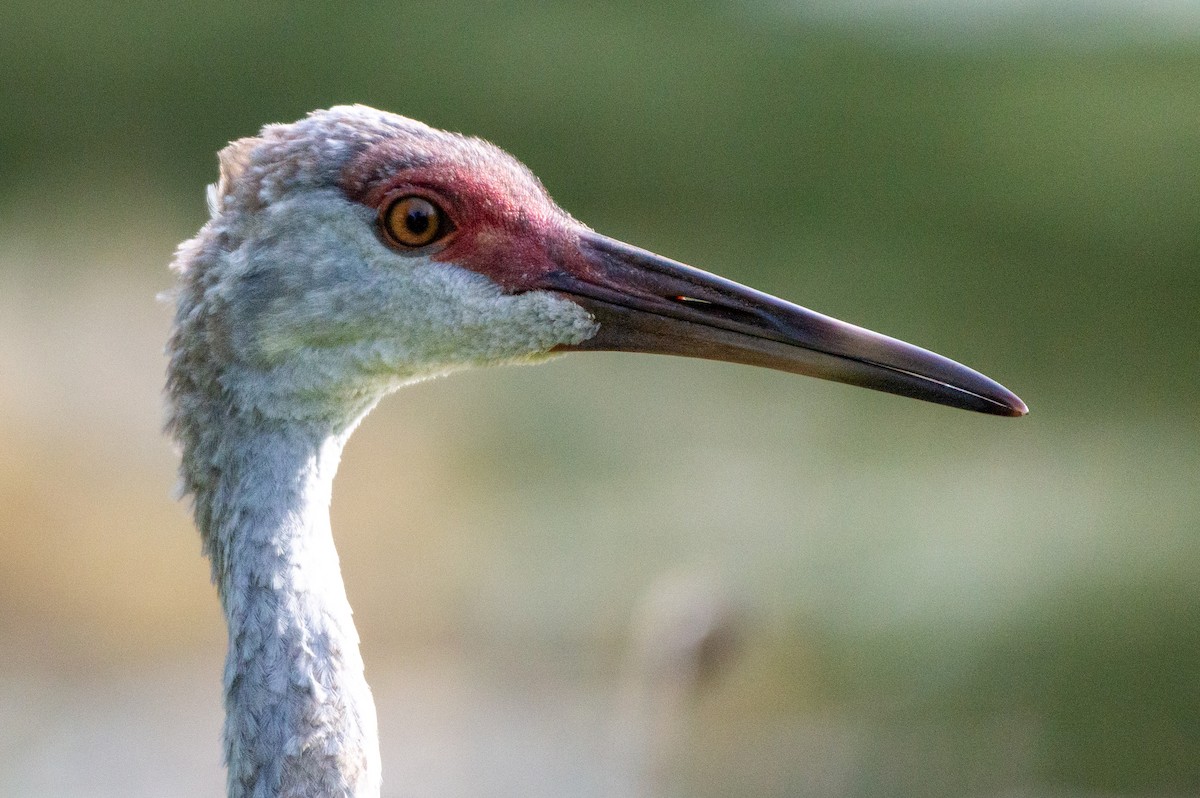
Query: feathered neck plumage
(300, 720)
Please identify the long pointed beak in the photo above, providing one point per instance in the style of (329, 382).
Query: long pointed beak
(647, 303)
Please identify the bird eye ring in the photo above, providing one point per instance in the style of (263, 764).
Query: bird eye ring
(412, 221)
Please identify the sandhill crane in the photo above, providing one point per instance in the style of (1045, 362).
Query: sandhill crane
(355, 251)
(687, 628)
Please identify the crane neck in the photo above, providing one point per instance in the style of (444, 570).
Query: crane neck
(300, 719)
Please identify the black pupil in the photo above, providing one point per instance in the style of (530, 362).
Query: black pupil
(419, 219)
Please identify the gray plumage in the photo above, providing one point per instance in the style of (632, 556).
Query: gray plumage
(292, 321)
(308, 296)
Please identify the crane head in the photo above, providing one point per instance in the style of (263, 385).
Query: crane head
(356, 250)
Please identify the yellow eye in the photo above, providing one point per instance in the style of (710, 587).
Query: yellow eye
(413, 221)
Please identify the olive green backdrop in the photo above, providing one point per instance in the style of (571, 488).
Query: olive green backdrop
(928, 602)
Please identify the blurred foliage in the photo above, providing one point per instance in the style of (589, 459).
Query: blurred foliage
(1024, 204)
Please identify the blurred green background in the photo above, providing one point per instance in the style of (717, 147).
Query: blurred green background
(928, 602)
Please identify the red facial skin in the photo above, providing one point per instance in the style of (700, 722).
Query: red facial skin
(503, 224)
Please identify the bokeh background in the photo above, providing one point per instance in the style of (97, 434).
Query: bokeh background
(625, 575)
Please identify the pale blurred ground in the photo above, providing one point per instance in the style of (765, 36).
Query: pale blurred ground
(930, 603)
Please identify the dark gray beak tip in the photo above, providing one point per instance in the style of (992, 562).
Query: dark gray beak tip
(1016, 408)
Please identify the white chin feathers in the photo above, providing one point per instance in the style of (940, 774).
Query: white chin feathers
(338, 319)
